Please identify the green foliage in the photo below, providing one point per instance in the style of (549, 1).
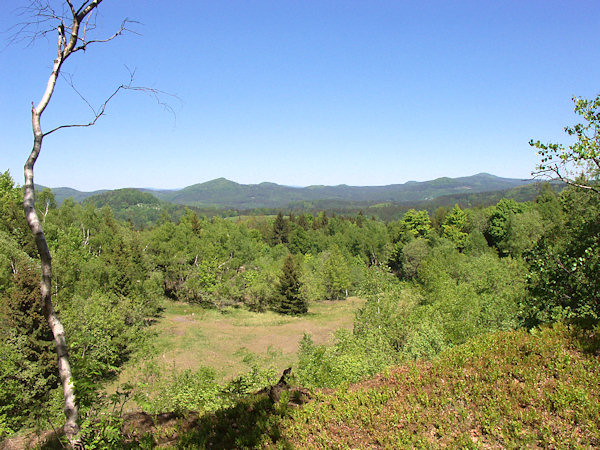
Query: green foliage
(121, 199)
(12, 395)
(28, 373)
(45, 201)
(251, 422)
(312, 287)
(470, 295)
(507, 389)
(197, 390)
(417, 223)
(11, 258)
(563, 281)
(564, 277)
(259, 285)
(102, 331)
(141, 209)
(383, 317)
(454, 227)
(299, 239)
(185, 391)
(257, 378)
(499, 222)
(102, 423)
(109, 280)
(334, 270)
(280, 231)
(412, 255)
(456, 295)
(11, 198)
(12, 220)
(378, 334)
(548, 205)
(349, 360)
(99, 290)
(522, 233)
(290, 298)
(579, 163)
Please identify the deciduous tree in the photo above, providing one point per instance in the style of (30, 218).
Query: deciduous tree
(565, 283)
(73, 24)
(578, 164)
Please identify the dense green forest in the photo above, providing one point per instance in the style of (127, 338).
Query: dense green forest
(431, 280)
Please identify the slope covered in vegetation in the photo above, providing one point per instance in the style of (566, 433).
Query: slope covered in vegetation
(509, 389)
(506, 390)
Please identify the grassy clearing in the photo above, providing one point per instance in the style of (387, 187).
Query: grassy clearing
(188, 336)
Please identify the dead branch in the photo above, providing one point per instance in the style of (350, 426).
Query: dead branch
(101, 110)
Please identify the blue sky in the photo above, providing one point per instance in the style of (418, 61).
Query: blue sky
(305, 92)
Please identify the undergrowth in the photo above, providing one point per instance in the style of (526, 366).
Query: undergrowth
(507, 389)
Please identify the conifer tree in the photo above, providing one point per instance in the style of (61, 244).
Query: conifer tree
(302, 222)
(29, 334)
(291, 301)
(281, 230)
(359, 219)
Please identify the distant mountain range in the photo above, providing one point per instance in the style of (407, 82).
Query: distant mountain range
(223, 193)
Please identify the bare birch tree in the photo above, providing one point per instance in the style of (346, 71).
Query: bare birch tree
(71, 24)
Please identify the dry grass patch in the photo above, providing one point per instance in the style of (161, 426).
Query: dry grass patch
(188, 336)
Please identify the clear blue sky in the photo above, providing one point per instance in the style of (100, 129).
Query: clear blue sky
(306, 92)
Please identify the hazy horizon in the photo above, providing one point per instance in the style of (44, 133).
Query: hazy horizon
(154, 188)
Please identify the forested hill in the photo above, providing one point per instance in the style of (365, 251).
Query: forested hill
(122, 198)
(223, 193)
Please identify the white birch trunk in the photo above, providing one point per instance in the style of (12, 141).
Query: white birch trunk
(66, 46)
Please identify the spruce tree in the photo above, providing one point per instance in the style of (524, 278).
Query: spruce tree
(24, 328)
(291, 302)
(280, 231)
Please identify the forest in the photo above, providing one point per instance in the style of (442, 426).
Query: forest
(431, 282)
(475, 315)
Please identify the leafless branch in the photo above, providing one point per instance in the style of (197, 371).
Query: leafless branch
(100, 111)
(97, 114)
(122, 29)
(71, 7)
(69, 80)
(86, 7)
(41, 19)
(87, 26)
(156, 94)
